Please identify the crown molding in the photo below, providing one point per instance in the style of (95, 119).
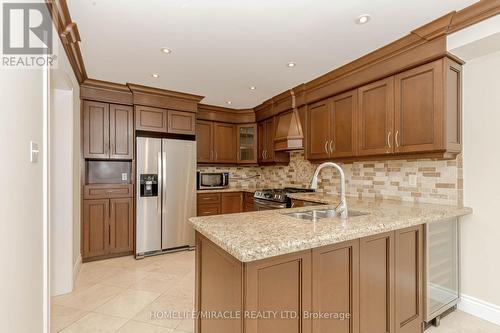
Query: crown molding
(105, 91)
(227, 115)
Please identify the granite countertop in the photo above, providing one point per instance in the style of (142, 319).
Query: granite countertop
(259, 235)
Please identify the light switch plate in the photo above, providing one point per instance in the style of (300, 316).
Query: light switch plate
(412, 180)
(34, 152)
(124, 176)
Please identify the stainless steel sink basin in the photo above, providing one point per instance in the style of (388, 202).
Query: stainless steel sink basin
(318, 214)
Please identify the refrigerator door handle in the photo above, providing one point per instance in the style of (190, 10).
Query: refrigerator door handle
(160, 177)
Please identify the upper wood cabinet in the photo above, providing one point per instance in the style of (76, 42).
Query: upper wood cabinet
(246, 143)
(331, 127)
(224, 143)
(121, 132)
(181, 122)
(376, 118)
(164, 121)
(216, 142)
(107, 131)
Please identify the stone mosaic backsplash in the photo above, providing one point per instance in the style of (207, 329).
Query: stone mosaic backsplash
(438, 181)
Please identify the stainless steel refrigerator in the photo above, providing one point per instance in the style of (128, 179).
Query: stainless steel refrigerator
(166, 195)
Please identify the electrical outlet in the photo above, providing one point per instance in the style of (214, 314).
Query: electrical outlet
(412, 180)
(34, 152)
(124, 176)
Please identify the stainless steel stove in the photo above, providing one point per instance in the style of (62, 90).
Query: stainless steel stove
(275, 198)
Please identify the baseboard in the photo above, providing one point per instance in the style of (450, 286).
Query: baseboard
(480, 308)
(76, 268)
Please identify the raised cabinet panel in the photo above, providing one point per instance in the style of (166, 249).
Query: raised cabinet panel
(231, 203)
(181, 122)
(150, 119)
(376, 284)
(219, 283)
(269, 153)
(204, 141)
(343, 135)
(261, 141)
(419, 109)
(409, 296)
(121, 225)
(95, 228)
(335, 287)
(453, 107)
(121, 132)
(283, 285)
(318, 130)
(376, 118)
(95, 130)
(224, 141)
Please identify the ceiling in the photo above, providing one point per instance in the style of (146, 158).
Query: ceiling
(222, 47)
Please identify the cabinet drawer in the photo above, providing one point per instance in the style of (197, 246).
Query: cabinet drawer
(205, 198)
(208, 209)
(104, 191)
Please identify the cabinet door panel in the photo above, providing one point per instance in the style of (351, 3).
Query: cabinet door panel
(95, 228)
(181, 122)
(121, 225)
(95, 130)
(247, 143)
(231, 203)
(343, 137)
(121, 128)
(150, 119)
(419, 109)
(204, 141)
(269, 153)
(261, 141)
(281, 284)
(408, 280)
(335, 286)
(376, 117)
(224, 143)
(318, 130)
(376, 290)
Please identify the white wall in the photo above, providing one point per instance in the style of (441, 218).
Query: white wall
(480, 232)
(21, 202)
(65, 172)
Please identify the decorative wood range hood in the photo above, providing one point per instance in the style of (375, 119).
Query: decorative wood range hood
(289, 134)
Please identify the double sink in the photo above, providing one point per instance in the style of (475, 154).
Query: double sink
(318, 214)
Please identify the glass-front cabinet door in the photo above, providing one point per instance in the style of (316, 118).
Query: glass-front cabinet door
(247, 143)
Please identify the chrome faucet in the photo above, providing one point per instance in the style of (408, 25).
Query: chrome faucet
(341, 209)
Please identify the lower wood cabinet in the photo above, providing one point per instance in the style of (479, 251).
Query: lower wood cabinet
(220, 203)
(107, 228)
(372, 284)
(248, 202)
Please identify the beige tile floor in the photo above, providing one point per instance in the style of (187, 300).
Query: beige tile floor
(119, 295)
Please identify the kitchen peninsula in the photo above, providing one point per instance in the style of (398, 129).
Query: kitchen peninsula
(363, 274)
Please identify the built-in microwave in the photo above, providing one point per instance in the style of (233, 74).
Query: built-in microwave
(212, 180)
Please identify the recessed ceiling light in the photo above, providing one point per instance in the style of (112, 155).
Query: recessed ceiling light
(155, 75)
(362, 19)
(252, 88)
(166, 50)
(291, 64)
(229, 102)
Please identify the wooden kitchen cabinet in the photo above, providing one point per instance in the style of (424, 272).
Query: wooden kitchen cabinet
(150, 119)
(332, 128)
(248, 202)
(107, 228)
(181, 122)
(376, 118)
(216, 142)
(231, 202)
(265, 144)
(121, 225)
(224, 143)
(335, 269)
(121, 132)
(246, 143)
(95, 228)
(107, 131)
(95, 129)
